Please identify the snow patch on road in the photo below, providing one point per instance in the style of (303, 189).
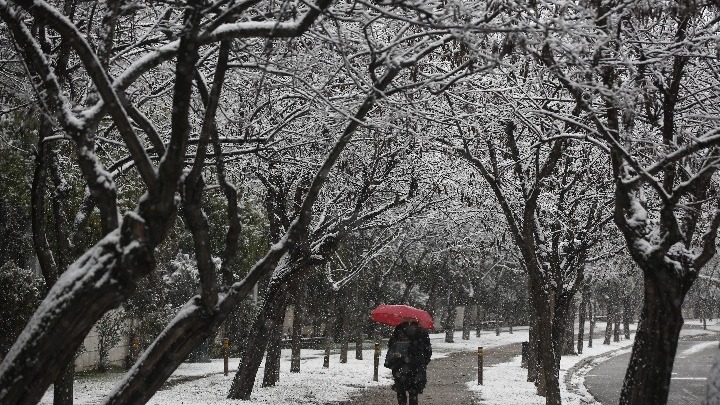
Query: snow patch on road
(698, 347)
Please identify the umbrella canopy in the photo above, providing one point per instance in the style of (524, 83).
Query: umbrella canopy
(394, 315)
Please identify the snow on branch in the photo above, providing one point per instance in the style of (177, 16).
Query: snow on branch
(101, 81)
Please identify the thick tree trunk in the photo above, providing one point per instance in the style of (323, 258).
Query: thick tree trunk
(478, 320)
(298, 315)
(257, 342)
(272, 358)
(63, 386)
(550, 331)
(647, 380)
(98, 278)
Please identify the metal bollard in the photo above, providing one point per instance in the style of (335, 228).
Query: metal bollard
(226, 352)
(480, 365)
(377, 361)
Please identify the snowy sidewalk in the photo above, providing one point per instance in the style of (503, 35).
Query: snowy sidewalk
(506, 383)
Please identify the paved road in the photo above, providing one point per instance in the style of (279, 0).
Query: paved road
(687, 386)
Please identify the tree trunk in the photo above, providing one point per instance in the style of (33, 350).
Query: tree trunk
(568, 347)
(609, 323)
(298, 315)
(467, 320)
(534, 368)
(616, 328)
(450, 315)
(274, 345)
(63, 386)
(328, 334)
(647, 380)
(581, 319)
(360, 315)
(478, 319)
(550, 331)
(257, 342)
(344, 327)
(591, 315)
(627, 316)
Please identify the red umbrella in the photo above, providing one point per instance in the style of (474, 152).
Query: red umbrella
(394, 315)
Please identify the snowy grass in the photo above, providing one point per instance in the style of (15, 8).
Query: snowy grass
(205, 384)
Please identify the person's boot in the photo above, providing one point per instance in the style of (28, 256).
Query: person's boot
(413, 398)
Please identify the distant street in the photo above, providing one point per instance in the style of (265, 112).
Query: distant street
(692, 363)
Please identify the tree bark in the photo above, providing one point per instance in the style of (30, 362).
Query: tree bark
(478, 319)
(581, 319)
(360, 316)
(627, 316)
(616, 327)
(328, 333)
(609, 319)
(591, 315)
(450, 315)
(534, 367)
(568, 347)
(647, 380)
(257, 342)
(63, 386)
(274, 345)
(298, 321)
(549, 351)
(467, 320)
(344, 327)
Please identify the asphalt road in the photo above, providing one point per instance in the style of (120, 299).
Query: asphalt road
(692, 364)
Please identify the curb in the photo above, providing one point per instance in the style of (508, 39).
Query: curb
(583, 366)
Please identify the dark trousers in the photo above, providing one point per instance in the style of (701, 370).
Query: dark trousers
(402, 397)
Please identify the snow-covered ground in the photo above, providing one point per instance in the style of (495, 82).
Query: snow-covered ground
(204, 383)
(506, 383)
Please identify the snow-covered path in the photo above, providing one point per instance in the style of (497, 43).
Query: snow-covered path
(505, 383)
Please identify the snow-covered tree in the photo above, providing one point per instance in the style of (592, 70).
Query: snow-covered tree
(642, 75)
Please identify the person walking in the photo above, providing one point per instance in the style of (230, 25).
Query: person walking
(408, 355)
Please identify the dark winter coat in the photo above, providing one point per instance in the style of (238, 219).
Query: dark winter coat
(409, 369)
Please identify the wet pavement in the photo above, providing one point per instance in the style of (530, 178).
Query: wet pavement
(446, 379)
